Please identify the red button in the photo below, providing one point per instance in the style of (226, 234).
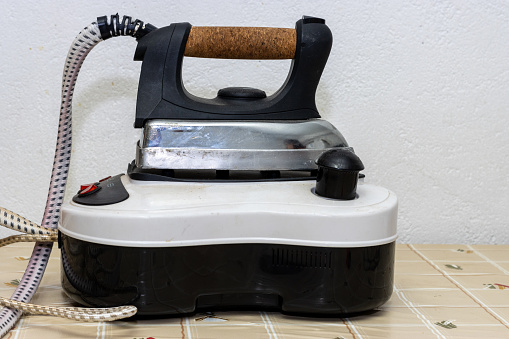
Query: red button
(82, 187)
(88, 189)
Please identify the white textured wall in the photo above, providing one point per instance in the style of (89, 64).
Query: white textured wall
(420, 89)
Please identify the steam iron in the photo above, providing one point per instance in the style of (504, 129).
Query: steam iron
(241, 201)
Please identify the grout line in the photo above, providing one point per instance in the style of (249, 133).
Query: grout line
(430, 289)
(489, 260)
(343, 320)
(463, 325)
(462, 261)
(182, 328)
(414, 274)
(188, 327)
(440, 247)
(268, 325)
(440, 289)
(100, 334)
(410, 325)
(349, 324)
(463, 289)
(444, 306)
(18, 329)
(419, 315)
(271, 325)
(391, 325)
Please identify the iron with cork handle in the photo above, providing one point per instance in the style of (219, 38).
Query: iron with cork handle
(240, 201)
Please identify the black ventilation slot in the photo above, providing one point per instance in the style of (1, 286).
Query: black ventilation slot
(301, 258)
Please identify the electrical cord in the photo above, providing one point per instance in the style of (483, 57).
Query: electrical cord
(33, 232)
(37, 233)
(28, 238)
(74, 313)
(45, 235)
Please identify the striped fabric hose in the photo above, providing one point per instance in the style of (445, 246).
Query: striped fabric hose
(83, 43)
(87, 39)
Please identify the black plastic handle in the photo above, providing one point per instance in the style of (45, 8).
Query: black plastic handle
(161, 94)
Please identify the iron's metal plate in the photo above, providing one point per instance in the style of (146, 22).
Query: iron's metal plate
(236, 145)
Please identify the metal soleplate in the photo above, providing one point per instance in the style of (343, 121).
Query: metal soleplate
(235, 145)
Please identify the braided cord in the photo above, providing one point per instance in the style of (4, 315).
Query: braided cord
(16, 222)
(28, 238)
(41, 234)
(81, 46)
(46, 234)
(74, 313)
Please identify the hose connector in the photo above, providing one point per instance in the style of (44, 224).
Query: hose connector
(126, 27)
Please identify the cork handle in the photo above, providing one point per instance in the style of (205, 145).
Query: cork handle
(241, 43)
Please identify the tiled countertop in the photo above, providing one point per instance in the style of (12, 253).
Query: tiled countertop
(440, 291)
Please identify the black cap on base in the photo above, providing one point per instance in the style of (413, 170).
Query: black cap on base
(338, 173)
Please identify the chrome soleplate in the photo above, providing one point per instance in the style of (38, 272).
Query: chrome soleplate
(235, 145)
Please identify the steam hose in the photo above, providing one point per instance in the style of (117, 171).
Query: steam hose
(87, 39)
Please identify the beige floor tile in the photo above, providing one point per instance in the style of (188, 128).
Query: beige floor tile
(6, 292)
(423, 332)
(460, 315)
(491, 247)
(407, 281)
(56, 329)
(51, 276)
(451, 255)
(414, 268)
(476, 332)
(481, 281)
(496, 255)
(495, 297)
(43, 321)
(270, 330)
(468, 268)
(394, 302)
(9, 283)
(504, 266)
(453, 247)
(249, 317)
(502, 311)
(437, 298)
(14, 263)
(418, 330)
(266, 325)
(161, 328)
(407, 256)
(294, 320)
(386, 316)
(15, 250)
(257, 331)
(293, 332)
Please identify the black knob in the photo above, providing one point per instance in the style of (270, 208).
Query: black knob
(338, 173)
(241, 93)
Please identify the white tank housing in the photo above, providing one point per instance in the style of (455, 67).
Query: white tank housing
(171, 214)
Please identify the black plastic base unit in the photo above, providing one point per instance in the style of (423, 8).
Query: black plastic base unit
(182, 280)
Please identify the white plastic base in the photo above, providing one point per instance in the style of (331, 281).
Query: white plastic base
(171, 214)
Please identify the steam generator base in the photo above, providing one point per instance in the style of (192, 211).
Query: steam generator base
(180, 247)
